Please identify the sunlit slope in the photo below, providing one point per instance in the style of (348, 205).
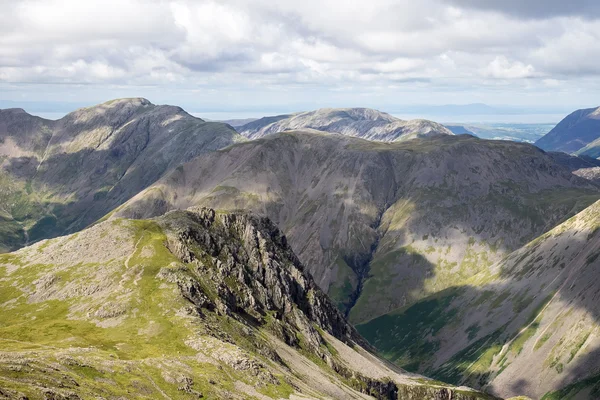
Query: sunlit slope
(364, 123)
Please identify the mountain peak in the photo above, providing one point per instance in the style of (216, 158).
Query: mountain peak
(109, 110)
(359, 113)
(18, 113)
(14, 110)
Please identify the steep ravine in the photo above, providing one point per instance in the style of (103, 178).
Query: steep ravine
(362, 268)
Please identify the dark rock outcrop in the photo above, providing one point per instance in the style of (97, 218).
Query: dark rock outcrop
(251, 270)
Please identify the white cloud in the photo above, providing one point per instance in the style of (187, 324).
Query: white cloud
(502, 68)
(337, 44)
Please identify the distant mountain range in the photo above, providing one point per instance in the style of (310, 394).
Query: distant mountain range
(375, 125)
(528, 133)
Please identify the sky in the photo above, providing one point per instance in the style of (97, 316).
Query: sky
(241, 58)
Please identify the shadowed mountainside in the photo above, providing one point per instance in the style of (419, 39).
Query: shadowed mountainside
(530, 327)
(574, 132)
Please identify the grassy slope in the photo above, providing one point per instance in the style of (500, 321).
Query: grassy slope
(111, 361)
(424, 259)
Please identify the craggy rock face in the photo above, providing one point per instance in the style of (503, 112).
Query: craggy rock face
(252, 270)
(364, 123)
(195, 303)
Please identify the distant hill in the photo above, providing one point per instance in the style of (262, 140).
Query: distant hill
(578, 130)
(460, 130)
(236, 123)
(528, 133)
(364, 123)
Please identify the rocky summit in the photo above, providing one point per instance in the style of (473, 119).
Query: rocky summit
(364, 123)
(194, 304)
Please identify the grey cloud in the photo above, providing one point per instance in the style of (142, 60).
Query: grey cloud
(536, 9)
(221, 62)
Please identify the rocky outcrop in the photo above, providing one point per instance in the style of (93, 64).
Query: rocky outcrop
(251, 270)
(364, 123)
(247, 263)
(592, 174)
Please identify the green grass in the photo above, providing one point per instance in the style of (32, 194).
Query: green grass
(542, 340)
(53, 325)
(382, 285)
(12, 235)
(581, 339)
(473, 361)
(343, 286)
(130, 347)
(281, 391)
(517, 345)
(592, 384)
(402, 336)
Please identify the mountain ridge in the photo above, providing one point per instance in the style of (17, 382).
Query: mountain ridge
(360, 213)
(397, 233)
